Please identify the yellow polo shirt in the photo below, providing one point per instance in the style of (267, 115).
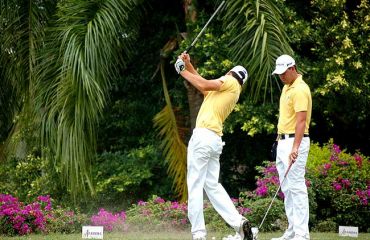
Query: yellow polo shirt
(217, 105)
(294, 98)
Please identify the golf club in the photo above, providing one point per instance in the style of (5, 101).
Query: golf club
(205, 26)
(268, 209)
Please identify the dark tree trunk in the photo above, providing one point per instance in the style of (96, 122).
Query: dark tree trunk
(195, 97)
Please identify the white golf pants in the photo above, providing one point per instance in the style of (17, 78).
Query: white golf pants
(204, 151)
(294, 186)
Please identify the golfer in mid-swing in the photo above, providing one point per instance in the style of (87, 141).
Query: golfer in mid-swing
(205, 147)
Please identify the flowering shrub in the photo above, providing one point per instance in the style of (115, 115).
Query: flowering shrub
(109, 220)
(342, 184)
(17, 218)
(268, 182)
(157, 214)
(65, 220)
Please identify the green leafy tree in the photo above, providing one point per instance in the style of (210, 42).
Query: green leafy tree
(339, 70)
(63, 55)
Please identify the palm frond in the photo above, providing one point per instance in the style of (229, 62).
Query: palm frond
(259, 38)
(84, 45)
(173, 147)
(22, 25)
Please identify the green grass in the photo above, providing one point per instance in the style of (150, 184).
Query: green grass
(175, 236)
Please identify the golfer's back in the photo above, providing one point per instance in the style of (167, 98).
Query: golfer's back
(218, 105)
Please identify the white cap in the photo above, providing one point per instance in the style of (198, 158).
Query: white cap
(241, 72)
(283, 63)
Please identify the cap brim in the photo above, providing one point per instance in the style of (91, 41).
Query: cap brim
(279, 70)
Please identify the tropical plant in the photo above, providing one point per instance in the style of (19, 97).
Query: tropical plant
(258, 37)
(173, 146)
(63, 57)
(22, 26)
(90, 37)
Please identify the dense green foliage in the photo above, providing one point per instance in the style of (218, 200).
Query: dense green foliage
(29, 177)
(121, 177)
(330, 42)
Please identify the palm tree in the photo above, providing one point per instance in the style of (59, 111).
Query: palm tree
(22, 24)
(258, 39)
(63, 56)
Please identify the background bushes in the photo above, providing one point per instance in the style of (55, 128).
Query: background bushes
(342, 185)
(338, 185)
(121, 177)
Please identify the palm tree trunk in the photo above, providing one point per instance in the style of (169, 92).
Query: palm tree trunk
(195, 98)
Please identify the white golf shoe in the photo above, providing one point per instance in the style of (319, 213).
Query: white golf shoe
(198, 236)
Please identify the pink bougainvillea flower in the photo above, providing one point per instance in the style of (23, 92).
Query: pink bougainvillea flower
(327, 166)
(262, 191)
(159, 200)
(358, 160)
(141, 203)
(346, 183)
(337, 186)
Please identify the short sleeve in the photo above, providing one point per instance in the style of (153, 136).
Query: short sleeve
(301, 101)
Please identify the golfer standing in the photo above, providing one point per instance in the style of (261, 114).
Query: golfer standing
(293, 146)
(205, 147)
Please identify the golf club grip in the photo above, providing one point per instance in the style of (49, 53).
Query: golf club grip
(286, 173)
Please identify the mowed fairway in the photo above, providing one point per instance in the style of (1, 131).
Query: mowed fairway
(175, 236)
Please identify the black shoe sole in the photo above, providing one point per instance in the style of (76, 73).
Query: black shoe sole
(247, 230)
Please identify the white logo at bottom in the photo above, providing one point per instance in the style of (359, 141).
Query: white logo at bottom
(92, 232)
(345, 231)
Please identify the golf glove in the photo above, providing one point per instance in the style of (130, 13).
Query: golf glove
(179, 65)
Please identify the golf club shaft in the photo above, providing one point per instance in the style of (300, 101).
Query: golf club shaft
(205, 26)
(277, 191)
